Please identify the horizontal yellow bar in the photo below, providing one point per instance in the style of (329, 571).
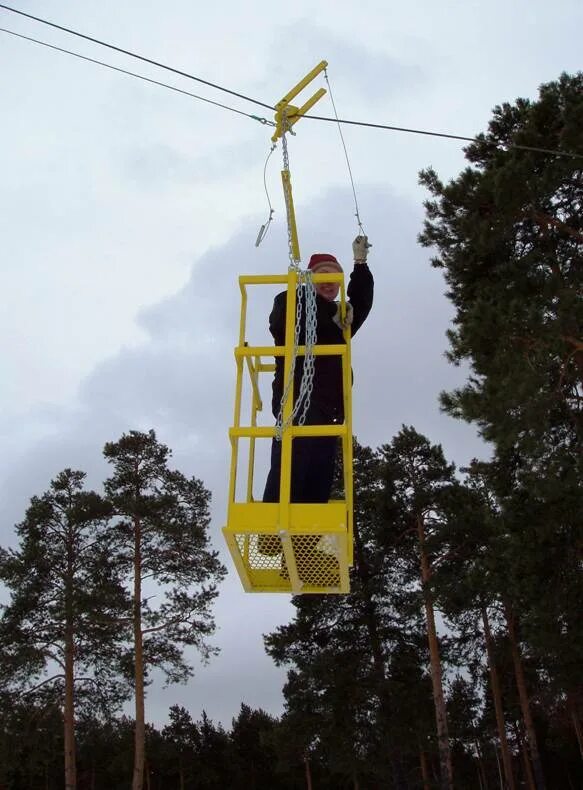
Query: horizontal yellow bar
(335, 350)
(301, 84)
(309, 104)
(279, 279)
(266, 432)
(260, 518)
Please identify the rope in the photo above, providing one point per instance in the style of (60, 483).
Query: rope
(265, 227)
(137, 76)
(356, 214)
(366, 124)
(134, 55)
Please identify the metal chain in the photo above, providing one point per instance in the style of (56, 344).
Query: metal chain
(305, 290)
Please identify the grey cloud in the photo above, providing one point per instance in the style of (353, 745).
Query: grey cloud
(180, 381)
(155, 164)
(360, 70)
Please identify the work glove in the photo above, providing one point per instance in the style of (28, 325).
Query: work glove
(347, 318)
(360, 248)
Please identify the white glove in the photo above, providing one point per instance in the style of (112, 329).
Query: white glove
(360, 247)
(347, 318)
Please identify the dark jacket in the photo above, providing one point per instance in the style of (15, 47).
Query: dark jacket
(327, 392)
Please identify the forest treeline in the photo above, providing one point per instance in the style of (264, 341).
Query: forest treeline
(456, 660)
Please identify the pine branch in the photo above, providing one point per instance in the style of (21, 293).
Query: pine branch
(40, 685)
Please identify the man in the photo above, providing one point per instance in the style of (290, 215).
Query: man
(313, 457)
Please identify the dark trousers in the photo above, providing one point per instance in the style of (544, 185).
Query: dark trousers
(312, 466)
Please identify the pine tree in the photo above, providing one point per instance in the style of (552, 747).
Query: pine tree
(253, 747)
(417, 479)
(66, 596)
(183, 739)
(353, 660)
(163, 540)
(509, 236)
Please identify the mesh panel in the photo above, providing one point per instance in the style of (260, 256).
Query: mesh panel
(260, 552)
(268, 544)
(315, 562)
(315, 558)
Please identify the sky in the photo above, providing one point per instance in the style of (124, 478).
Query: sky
(127, 212)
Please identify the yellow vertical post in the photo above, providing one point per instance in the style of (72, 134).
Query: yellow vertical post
(291, 215)
(286, 438)
(254, 406)
(347, 438)
(286, 115)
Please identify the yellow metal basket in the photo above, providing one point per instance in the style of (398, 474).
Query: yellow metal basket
(288, 547)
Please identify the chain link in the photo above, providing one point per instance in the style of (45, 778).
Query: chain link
(305, 291)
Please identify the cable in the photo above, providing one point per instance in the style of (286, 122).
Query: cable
(265, 227)
(534, 148)
(137, 76)
(366, 124)
(134, 55)
(357, 213)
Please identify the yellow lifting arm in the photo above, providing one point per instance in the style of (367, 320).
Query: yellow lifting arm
(283, 108)
(286, 115)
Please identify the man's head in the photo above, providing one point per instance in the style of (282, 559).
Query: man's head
(323, 263)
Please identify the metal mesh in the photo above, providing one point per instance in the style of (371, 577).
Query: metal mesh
(315, 565)
(315, 557)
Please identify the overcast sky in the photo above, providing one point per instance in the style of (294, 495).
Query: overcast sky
(128, 211)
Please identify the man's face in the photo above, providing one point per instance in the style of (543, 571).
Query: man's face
(328, 291)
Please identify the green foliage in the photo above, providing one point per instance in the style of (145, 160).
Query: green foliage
(354, 661)
(63, 579)
(509, 237)
(162, 524)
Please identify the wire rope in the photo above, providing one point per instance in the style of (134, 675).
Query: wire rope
(347, 121)
(133, 55)
(265, 227)
(356, 209)
(137, 76)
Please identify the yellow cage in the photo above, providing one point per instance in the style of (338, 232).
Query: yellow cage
(287, 547)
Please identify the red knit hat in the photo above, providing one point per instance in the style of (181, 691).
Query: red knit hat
(321, 258)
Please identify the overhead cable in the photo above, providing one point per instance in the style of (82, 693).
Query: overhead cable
(534, 148)
(134, 55)
(366, 124)
(137, 76)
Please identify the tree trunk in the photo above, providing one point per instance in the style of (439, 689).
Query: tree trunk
(529, 776)
(500, 777)
(308, 772)
(69, 706)
(481, 768)
(371, 620)
(424, 771)
(497, 696)
(445, 766)
(524, 701)
(140, 731)
(576, 723)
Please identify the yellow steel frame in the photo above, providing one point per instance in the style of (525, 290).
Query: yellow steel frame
(313, 542)
(286, 115)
